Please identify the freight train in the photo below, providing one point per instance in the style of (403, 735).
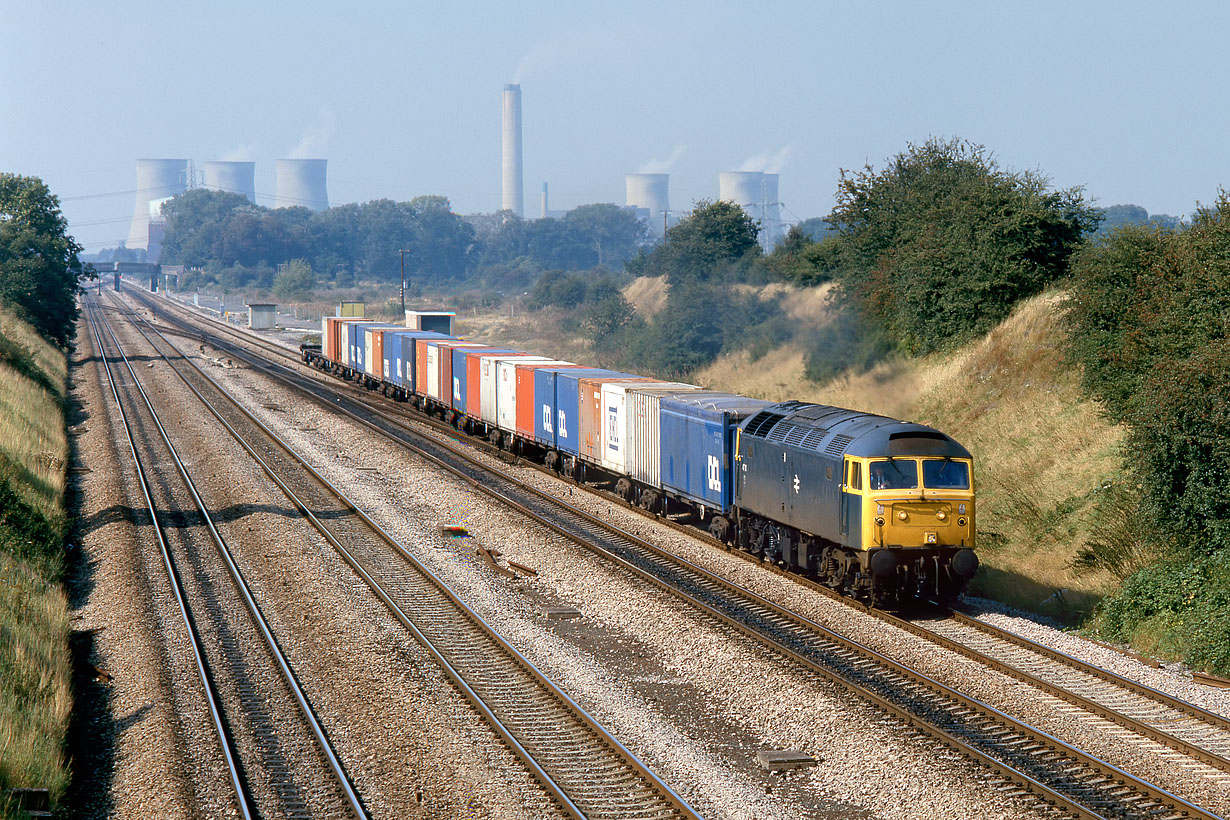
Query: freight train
(879, 509)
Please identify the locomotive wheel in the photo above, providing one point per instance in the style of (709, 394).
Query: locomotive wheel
(719, 528)
(625, 490)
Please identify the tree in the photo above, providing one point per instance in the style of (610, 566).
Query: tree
(1149, 329)
(708, 241)
(39, 268)
(938, 247)
(294, 280)
(614, 233)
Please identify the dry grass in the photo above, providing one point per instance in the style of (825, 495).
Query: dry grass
(647, 294)
(35, 695)
(1044, 453)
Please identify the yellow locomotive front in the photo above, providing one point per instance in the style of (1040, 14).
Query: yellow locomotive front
(917, 520)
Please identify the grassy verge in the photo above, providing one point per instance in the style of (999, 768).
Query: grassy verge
(35, 673)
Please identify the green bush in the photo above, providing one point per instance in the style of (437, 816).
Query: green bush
(939, 246)
(1177, 609)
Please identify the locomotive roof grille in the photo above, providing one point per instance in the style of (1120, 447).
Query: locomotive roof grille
(761, 422)
(838, 445)
(814, 436)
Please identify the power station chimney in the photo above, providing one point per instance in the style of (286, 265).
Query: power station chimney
(156, 179)
(649, 191)
(545, 210)
(232, 177)
(512, 198)
(301, 183)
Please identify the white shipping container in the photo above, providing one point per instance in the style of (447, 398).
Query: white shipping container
(488, 372)
(644, 445)
(615, 445)
(369, 366)
(433, 371)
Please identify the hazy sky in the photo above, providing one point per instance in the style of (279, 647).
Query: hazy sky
(403, 98)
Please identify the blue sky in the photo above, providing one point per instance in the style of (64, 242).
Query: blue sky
(403, 98)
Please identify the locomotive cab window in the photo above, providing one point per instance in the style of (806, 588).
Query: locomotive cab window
(896, 474)
(854, 475)
(945, 474)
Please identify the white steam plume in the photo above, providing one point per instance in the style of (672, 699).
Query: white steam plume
(662, 166)
(769, 162)
(315, 137)
(243, 152)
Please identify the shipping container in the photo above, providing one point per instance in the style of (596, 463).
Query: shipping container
(589, 414)
(396, 345)
(462, 373)
(333, 340)
(697, 437)
(551, 420)
(371, 363)
(440, 368)
(615, 453)
(528, 410)
(642, 451)
(352, 355)
(475, 368)
(568, 391)
(506, 389)
(488, 382)
(410, 342)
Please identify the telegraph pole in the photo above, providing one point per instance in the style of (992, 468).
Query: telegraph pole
(403, 253)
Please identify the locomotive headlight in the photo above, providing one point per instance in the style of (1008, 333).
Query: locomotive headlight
(961, 522)
(901, 515)
(961, 509)
(879, 521)
(941, 515)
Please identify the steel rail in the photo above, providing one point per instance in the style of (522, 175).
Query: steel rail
(676, 803)
(212, 700)
(333, 763)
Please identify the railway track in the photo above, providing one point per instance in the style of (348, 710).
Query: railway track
(585, 770)
(1061, 776)
(265, 736)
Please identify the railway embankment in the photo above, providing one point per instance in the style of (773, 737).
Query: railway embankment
(35, 668)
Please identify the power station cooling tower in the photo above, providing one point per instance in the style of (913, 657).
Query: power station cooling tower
(771, 230)
(232, 177)
(511, 143)
(156, 179)
(649, 191)
(301, 183)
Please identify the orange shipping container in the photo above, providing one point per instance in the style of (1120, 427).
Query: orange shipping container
(589, 412)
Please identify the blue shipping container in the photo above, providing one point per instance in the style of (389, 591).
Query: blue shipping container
(548, 420)
(408, 359)
(697, 435)
(395, 354)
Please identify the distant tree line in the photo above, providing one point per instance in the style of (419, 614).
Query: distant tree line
(39, 266)
(240, 244)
